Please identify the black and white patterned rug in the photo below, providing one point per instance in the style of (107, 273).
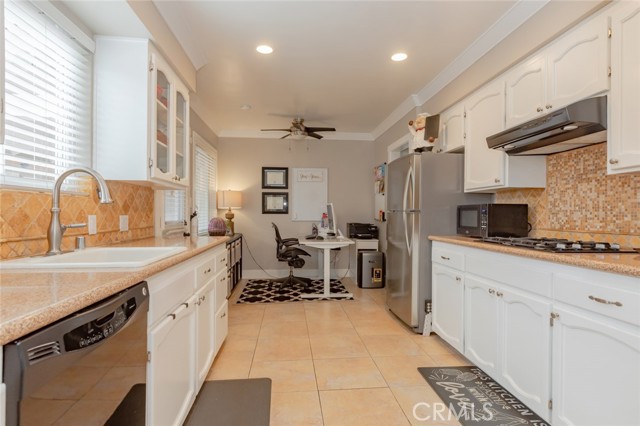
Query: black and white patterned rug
(259, 291)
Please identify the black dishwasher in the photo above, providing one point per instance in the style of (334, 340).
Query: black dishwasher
(87, 368)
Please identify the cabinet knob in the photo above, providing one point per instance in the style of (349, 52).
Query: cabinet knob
(458, 279)
(613, 161)
(497, 180)
(491, 291)
(499, 294)
(539, 109)
(549, 106)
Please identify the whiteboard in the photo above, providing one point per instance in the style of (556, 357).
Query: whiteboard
(309, 194)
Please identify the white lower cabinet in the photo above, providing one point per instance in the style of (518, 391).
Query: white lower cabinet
(562, 339)
(171, 382)
(507, 335)
(221, 309)
(186, 329)
(481, 324)
(525, 348)
(206, 324)
(448, 287)
(595, 370)
(221, 325)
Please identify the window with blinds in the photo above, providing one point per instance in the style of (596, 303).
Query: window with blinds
(204, 183)
(47, 100)
(175, 202)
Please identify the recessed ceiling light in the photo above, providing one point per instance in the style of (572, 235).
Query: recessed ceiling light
(245, 107)
(264, 49)
(398, 57)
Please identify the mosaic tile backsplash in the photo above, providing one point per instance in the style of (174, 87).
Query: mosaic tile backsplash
(25, 215)
(581, 201)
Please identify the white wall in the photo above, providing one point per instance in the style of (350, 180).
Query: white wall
(350, 170)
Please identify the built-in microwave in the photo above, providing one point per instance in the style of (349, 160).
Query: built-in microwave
(493, 220)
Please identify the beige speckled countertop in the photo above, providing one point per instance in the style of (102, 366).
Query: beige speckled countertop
(623, 263)
(32, 299)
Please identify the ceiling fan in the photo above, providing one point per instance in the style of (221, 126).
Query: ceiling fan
(299, 131)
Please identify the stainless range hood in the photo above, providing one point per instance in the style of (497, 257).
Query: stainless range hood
(574, 126)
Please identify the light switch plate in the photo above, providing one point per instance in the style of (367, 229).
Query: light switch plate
(124, 222)
(93, 226)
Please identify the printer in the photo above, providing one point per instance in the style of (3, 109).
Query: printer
(364, 231)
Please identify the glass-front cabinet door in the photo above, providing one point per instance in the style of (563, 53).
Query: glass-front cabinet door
(169, 148)
(163, 120)
(182, 137)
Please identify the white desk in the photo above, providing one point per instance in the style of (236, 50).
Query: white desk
(326, 245)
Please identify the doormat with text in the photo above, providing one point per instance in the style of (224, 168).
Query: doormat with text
(474, 398)
(261, 291)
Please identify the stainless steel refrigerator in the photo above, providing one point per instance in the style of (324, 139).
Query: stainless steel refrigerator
(423, 191)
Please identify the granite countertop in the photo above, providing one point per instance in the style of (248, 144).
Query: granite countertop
(32, 299)
(623, 263)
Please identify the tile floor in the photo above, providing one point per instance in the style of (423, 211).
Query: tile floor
(335, 363)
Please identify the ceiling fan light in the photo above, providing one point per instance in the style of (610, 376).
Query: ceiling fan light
(298, 136)
(399, 57)
(264, 49)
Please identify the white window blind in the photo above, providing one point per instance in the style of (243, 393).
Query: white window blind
(204, 185)
(175, 202)
(48, 78)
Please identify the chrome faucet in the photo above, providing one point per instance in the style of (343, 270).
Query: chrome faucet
(56, 230)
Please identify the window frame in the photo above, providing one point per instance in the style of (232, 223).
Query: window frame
(200, 143)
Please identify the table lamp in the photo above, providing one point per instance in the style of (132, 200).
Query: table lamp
(229, 200)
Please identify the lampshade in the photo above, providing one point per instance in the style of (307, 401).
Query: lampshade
(229, 199)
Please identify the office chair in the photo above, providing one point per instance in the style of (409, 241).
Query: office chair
(287, 251)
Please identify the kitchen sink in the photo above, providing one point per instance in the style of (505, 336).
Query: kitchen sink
(98, 257)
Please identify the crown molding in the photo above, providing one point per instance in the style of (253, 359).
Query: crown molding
(518, 14)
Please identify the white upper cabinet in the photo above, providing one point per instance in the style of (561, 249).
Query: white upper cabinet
(526, 89)
(451, 134)
(578, 64)
(624, 98)
(483, 167)
(142, 115)
(572, 68)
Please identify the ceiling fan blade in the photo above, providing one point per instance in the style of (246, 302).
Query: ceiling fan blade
(275, 130)
(320, 129)
(286, 136)
(313, 135)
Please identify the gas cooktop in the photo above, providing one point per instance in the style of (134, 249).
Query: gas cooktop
(559, 245)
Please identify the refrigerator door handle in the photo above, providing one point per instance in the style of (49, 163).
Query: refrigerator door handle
(408, 186)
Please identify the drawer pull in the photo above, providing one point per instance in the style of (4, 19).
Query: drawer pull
(604, 301)
(186, 304)
(499, 294)
(445, 258)
(458, 279)
(223, 315)
(207, 271)
(172, 316)
(492, 291)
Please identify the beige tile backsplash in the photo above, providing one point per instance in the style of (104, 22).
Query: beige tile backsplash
(25, 215)
(581, 201)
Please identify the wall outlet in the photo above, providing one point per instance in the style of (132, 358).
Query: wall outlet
(93, 226)
(124, 222)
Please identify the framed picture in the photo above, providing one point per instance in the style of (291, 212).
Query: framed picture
(275, 202)
(275, 178)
